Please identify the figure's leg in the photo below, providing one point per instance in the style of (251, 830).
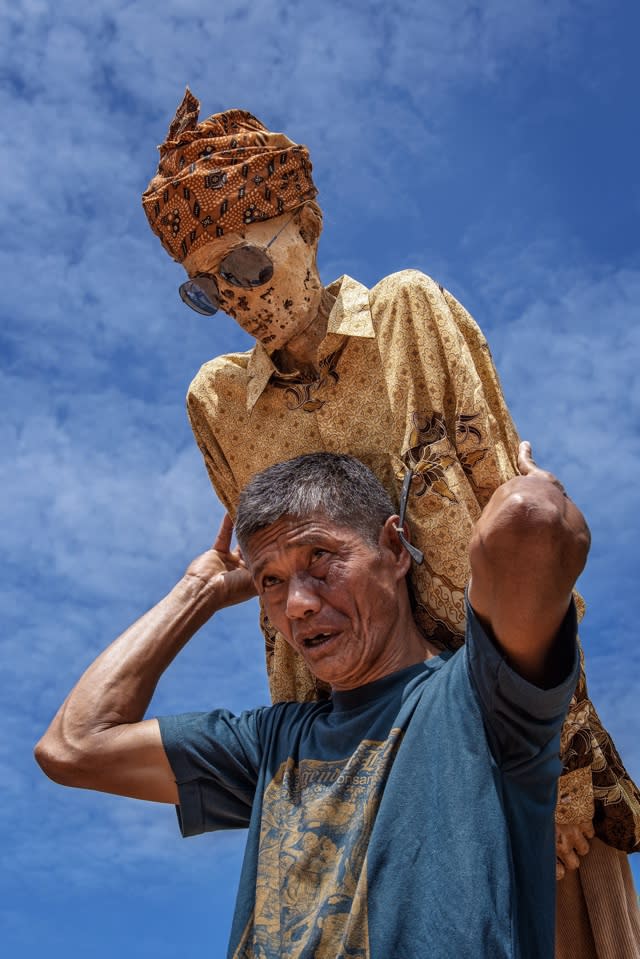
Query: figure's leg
(573, 928)
(598, 915)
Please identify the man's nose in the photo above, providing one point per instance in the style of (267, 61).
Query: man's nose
(302, 597)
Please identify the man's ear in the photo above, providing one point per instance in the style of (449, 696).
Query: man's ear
(390, 540)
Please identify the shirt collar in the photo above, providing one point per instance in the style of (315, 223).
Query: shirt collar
(349, 316)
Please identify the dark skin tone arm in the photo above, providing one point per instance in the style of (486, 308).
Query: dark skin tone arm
(98, 739)
(528, 549)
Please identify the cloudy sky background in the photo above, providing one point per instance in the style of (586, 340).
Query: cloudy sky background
(493, 145)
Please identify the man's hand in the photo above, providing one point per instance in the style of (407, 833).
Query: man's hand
(223, 569)
(528, 467)
(572, 841)
(575, 555)
(527, 550)
(98, 739)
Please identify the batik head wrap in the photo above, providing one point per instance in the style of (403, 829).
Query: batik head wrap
(217, 176)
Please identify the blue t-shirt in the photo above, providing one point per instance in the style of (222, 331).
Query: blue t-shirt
(409, 818)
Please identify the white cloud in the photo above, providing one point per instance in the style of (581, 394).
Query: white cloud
(95, 86)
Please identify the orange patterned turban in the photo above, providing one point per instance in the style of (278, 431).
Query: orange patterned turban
(218, 175)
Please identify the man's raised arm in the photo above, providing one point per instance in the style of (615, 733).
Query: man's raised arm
(98, 739)
(529, 547)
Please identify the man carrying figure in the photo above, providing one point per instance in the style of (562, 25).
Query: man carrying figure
(401, 377)
(362, 841)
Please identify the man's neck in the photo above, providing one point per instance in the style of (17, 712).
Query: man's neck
(406, 646)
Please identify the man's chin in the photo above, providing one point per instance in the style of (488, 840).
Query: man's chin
(321, 657)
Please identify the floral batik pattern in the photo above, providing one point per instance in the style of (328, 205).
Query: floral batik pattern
(613, 795)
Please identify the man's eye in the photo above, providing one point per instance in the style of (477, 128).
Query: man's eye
(319, 553)
(269, 582)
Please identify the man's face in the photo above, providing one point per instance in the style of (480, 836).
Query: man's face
(334, 596)
(285, 306)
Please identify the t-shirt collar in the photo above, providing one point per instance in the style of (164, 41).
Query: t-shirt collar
(349, 699)
(349, 316)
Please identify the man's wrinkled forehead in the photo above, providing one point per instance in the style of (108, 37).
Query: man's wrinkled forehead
(290, 533)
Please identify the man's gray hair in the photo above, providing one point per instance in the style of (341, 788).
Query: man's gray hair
(339, 487)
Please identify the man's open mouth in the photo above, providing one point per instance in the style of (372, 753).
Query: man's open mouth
(318, 640)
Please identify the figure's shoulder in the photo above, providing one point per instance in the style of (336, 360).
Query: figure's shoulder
(410, 304)
(406, 282)
(220, 374)
(410, 293)
(421, 299)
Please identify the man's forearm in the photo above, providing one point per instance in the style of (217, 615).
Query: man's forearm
(116, 689)
(118, 686)
(528, 548)
(98, 739)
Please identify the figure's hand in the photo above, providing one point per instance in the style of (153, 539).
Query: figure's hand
(224, 569)
(572, 841)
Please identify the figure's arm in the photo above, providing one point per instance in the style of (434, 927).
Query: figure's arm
(479, 393)
(528, 548)
(98, 739)
(200, 398)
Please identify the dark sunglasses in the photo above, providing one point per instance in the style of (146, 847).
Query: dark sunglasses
(246, 266)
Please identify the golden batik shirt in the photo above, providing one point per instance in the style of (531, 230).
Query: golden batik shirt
(406, 382)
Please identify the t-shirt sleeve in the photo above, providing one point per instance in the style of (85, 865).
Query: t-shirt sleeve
(522, 720)
(215, 758)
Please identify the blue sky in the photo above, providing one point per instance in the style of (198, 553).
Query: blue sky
(493, 145)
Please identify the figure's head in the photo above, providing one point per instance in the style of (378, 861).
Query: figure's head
(235, 204)
(319, 536)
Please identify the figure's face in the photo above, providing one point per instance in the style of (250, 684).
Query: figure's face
(285, 306)
(336, 598)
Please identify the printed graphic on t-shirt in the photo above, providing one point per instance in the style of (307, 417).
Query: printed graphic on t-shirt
(311, 888)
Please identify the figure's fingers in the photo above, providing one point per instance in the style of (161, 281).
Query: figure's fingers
(581, 845)
(585, 832)
(570, 845)
(564, 840)
(571, 860)
(560, 870)
(588, 829)
(222, 541)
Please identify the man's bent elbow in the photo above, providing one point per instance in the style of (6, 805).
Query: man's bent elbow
(62, 763)
(50, 761)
